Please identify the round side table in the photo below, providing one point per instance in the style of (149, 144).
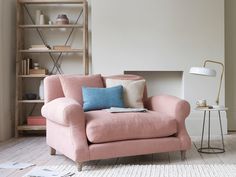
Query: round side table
(207, 149)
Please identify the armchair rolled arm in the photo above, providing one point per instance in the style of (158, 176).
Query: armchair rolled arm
(64, 111)
(171, 105)
(69, 115)
(176, 108)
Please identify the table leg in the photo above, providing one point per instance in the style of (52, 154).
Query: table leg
(222, 137)
(208, 149)
(209, 128)
(203, 127)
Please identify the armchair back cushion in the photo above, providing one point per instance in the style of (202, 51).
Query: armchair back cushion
(133, 91)
(128, 77)
(72, 85)
(52, 88)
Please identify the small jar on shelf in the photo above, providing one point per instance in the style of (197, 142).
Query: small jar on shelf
(62, 19)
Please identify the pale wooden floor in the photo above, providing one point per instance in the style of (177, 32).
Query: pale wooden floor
(35, 150)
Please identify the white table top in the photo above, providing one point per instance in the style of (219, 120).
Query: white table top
(211, 109)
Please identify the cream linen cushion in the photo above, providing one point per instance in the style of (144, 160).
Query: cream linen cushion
(132, 93)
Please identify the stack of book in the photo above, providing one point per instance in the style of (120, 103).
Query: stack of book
(40, 71)
(28, 69)
(38, 47)
(61, 47)
(26, 64)
(36, 120)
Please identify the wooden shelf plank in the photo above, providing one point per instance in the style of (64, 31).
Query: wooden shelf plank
(31, 127)
(51, 26)
(31, 101)
(52, 51)
(52, 1)
(33, 76)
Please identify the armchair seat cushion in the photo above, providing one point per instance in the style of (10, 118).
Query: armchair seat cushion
(102, 126)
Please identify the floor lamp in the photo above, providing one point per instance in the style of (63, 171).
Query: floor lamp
(204, 71)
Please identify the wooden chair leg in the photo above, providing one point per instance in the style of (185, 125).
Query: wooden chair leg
(183, 155)
(79, 166)
(52, 151)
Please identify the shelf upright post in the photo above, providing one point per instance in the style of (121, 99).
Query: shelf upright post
(85, 38)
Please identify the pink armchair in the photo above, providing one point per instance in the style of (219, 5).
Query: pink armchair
(84, 136)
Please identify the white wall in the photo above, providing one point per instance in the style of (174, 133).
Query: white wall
(161, 35)
(230, 56)
(138, 36)
(162, 82)
(7, 67)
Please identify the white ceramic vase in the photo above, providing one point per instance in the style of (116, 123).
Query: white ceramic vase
(41, 19)
(41, 90)
(37, 17)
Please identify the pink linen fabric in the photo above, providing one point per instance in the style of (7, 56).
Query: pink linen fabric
(70, 141)
(67, 125)
(103, 126)
(52, 88)
(72, 85)
(133, 147)
(61, 110)
(66, 128)
(174, 107)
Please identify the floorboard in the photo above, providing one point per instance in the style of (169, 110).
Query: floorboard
(35, 150)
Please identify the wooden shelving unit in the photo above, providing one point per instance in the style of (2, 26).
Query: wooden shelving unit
(23, 7)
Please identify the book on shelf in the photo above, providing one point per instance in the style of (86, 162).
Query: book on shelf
(27, 68)
(23, 67)
(26, 64)
(61, 47)
(36, 120)
(38, 71)
(43, 48)
(38, 47)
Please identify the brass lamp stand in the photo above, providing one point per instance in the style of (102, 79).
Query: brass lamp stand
(209, 72)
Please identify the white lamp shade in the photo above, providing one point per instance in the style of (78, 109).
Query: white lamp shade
(202, 71)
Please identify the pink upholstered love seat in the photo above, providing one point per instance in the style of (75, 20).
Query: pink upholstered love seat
(84, 136)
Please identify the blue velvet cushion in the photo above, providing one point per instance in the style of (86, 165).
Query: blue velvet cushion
(102, 98)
